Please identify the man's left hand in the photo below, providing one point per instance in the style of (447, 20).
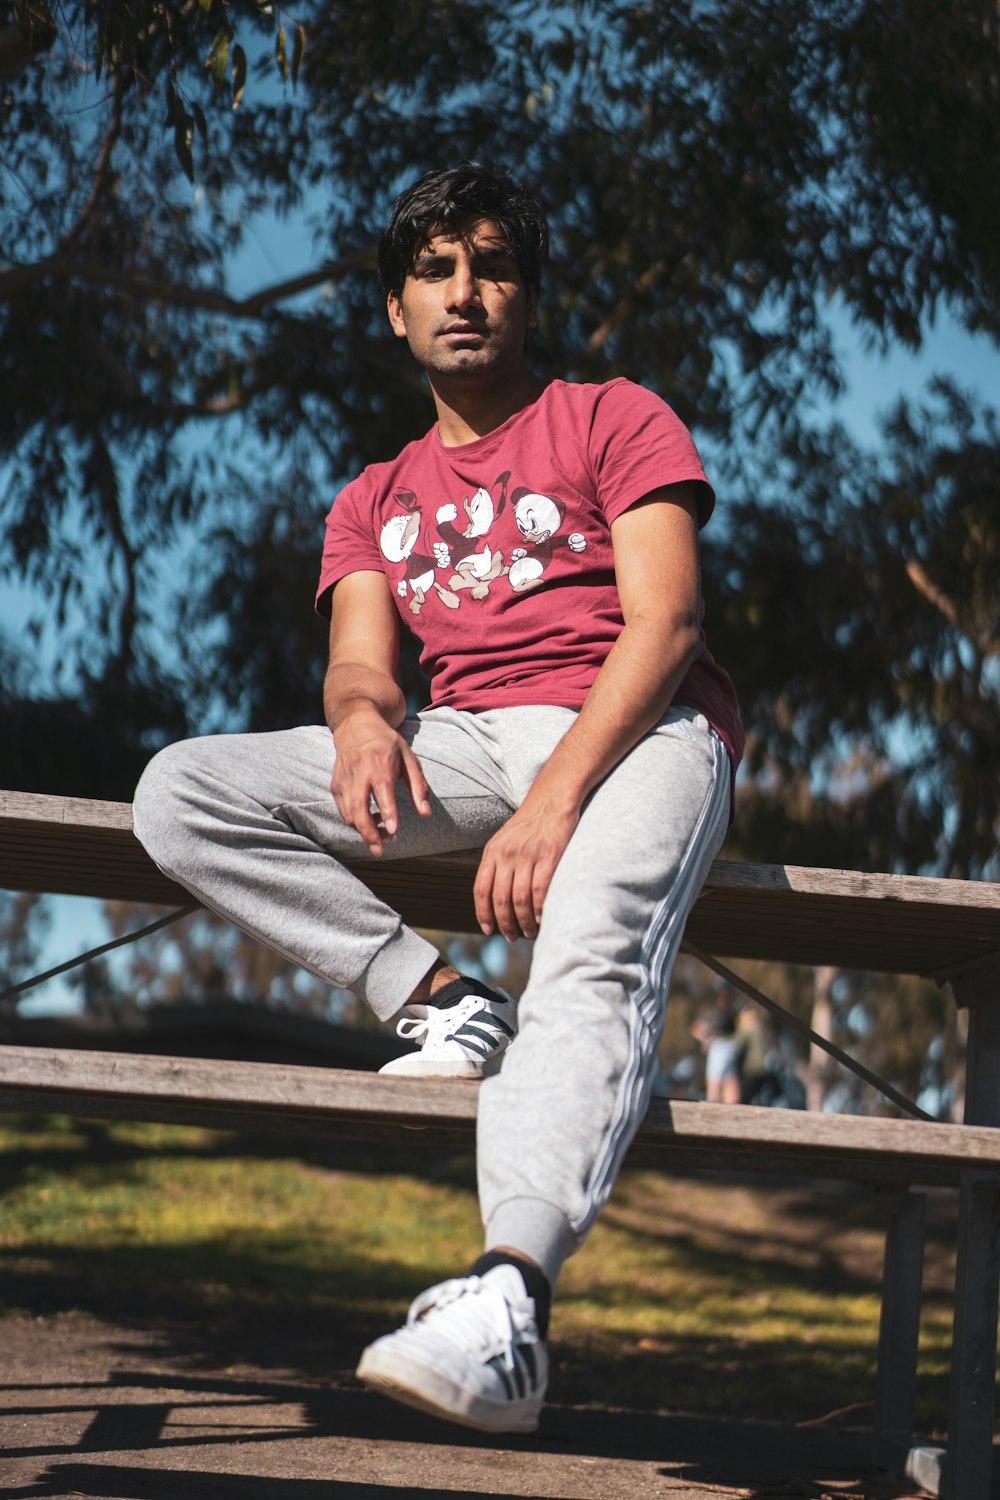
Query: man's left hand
(517, 868)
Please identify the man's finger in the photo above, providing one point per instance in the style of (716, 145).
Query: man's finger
(540, 882)
(539, 891)
(340, 801)
(368, 829)
(416, 783)
(482, 892)
(359, 816)
(524, 904)
(384, 793)
(503, 905)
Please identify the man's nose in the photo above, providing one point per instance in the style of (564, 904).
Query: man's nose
(463, 289)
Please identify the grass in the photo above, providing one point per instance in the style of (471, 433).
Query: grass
(692, 1294)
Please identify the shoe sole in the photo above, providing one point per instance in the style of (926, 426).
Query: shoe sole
(427, 1391)
(419, 1067)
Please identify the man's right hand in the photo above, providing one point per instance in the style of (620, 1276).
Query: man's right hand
(364, 705)
(371, 758)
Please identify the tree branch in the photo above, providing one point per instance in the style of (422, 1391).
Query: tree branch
(100, 469)
(14, 280)
(925, 585)
(981, 641)
(627, 306)
(239, 400)
(101, 171)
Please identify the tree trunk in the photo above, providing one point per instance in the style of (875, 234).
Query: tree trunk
(821, 1068)
(956, 1047)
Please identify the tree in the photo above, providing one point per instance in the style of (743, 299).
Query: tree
(204, 959)
(716, 172)
(721, 177)
(874, 579)
(23, 920)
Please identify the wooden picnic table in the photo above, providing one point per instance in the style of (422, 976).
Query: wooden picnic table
(947, 930)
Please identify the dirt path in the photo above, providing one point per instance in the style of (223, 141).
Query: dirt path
(88, 1408)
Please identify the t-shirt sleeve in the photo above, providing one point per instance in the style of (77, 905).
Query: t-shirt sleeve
(350, 545)
(637, 444)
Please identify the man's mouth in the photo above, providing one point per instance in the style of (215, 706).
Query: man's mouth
(459, 333)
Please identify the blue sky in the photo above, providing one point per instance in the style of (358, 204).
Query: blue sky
(876, 383)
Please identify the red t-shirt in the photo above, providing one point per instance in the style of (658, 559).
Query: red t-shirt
(499, 551)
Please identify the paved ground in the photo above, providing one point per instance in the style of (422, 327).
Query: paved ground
(96, 1410)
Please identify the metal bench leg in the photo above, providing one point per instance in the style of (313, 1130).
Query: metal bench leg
(899, 1330)
(969, 1462)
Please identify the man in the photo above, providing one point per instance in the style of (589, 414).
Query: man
(541, 542)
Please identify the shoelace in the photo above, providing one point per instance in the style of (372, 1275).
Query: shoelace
(487, 1323)
(412, 1028)
(445, 1022)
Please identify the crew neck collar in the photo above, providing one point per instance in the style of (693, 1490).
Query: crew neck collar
(495, 434)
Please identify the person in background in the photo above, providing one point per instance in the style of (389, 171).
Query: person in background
(716, 1031)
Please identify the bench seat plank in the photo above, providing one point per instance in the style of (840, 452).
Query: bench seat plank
(895, 923)
(274, 1096)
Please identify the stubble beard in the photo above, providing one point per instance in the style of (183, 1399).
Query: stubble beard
(487, 359)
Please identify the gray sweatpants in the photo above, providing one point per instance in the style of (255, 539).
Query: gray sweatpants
(249, 825)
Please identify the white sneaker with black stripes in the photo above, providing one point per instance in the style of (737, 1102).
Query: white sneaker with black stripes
(469, 1353)
(462, 1039)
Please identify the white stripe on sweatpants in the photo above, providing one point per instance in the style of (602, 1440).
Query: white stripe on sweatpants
(660, 950)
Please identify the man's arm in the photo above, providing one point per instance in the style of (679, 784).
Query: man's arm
(364, 707)
(656, 563)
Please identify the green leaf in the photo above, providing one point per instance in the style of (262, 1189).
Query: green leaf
(174, 110)
(217, 61)
(280, 54)
(183, 140)
(206, 6)
(298, 51)
(239, 75)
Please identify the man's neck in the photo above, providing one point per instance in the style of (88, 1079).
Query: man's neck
(466, 412)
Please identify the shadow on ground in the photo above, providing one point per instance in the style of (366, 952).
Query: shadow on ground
(256, 1300)
(97, 1417)
(214, 1368)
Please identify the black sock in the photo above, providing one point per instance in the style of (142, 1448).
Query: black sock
(457, 989)
(536, 1283)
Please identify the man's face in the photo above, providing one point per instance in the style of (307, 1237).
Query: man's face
(465, 310)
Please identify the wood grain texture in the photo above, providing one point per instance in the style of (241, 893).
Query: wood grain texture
(895, 923)
(271, 1096)
(84, 812)
(854, 884)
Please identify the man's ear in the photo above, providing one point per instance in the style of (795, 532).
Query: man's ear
(394, 307)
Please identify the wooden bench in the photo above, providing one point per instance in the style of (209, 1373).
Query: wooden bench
(947, 930)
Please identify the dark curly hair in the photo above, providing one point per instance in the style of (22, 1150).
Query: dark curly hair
(453, 199)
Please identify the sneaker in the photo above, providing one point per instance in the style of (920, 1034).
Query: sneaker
(469, 1353)
(465, 1039)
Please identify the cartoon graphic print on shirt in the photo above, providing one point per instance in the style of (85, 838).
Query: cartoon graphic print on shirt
(538, 520)
(464, 559)
(475, 569)
(397, 541)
